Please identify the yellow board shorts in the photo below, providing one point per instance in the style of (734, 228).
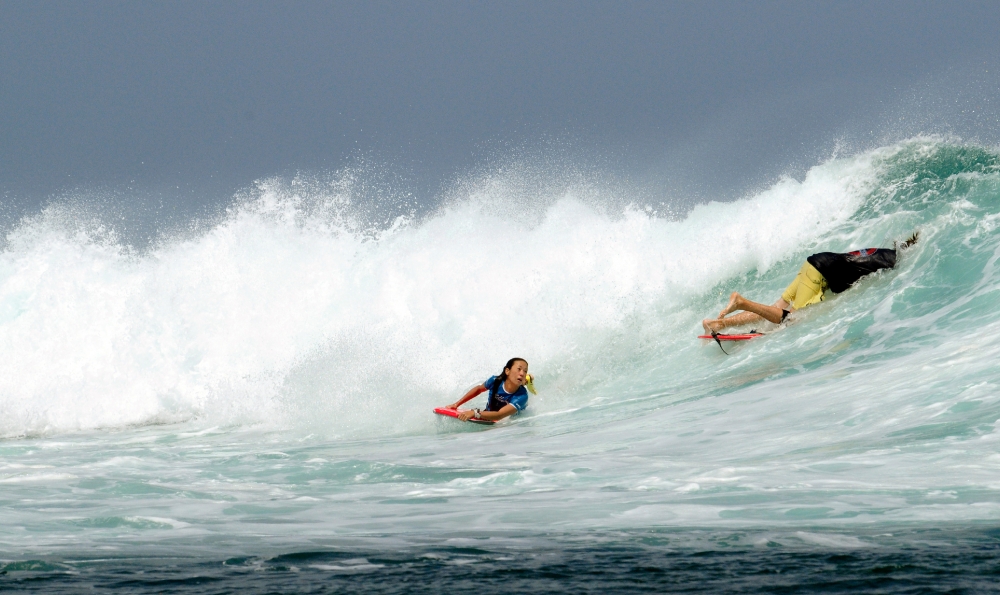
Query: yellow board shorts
(806, 289)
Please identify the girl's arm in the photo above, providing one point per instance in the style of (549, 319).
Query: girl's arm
(473, 393)
(505, 411)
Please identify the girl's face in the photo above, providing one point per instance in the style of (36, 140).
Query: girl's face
(517, 372)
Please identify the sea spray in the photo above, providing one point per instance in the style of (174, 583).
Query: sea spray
(265, 385)
(296, 309)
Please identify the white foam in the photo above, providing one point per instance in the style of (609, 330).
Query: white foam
(287, 313)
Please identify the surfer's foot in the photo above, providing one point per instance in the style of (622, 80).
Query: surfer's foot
(710, 325)
(734, 304)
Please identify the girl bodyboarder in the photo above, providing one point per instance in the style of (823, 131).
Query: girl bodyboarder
(508, 393)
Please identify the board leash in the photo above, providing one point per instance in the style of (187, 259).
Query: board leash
(715, 335)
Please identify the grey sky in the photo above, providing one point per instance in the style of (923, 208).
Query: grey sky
(212, 95)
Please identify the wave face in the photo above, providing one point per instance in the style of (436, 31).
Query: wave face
(296, 303)
(293, 305)
(302, 317)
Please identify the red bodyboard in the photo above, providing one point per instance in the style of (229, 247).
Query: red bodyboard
(743, 337)
(454, 413)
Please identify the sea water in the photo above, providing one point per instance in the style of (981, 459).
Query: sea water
(245, 405)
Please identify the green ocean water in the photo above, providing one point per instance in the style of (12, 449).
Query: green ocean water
(263, 388)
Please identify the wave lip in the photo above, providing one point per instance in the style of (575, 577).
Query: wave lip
(293, 311)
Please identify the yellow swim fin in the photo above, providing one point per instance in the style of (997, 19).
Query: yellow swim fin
(529, 382)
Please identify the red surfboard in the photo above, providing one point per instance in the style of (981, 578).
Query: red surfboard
(454, 413)
(743, 337)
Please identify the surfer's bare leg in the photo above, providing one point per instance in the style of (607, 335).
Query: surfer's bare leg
(738, 302)
(752, 312)
(717, 324)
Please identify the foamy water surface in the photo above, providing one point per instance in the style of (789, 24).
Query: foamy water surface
(265, 384)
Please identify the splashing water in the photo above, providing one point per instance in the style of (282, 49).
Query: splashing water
(268, 381)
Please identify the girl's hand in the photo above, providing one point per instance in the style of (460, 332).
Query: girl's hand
(467, 415)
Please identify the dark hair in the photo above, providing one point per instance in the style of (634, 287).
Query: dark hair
(910, 240)
(502, 376)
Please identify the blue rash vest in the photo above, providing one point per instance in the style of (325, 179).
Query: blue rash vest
(519, 399)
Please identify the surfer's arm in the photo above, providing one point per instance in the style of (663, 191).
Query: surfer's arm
(505, 411)
(474, 392)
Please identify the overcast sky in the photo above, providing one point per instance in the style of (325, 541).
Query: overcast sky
(212, 95)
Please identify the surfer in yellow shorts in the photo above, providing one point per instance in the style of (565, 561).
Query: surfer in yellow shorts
(822, 271)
